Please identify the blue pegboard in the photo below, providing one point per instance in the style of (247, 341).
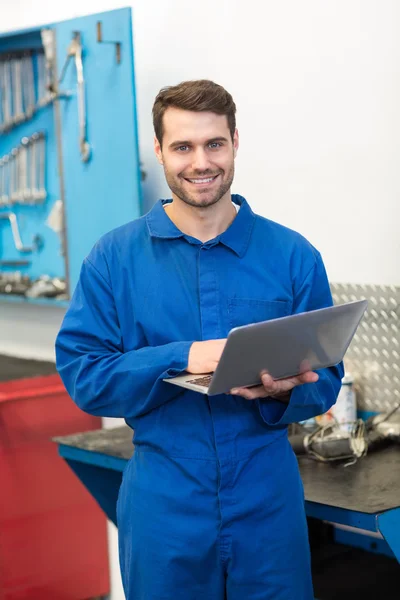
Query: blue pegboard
(100, 193)
(31, 219)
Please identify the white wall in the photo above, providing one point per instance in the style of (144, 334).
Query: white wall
(317, 91)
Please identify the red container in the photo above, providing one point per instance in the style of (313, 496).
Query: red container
(53, 535)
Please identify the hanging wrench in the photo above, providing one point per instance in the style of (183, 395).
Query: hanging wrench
(14, 182)
(28, 86)
(19, 114)
(36, 242)
(41, 77)
(75, 50)
(5, 184)
(41, 153)
(6, 83)
(24, 191)
(33, 168)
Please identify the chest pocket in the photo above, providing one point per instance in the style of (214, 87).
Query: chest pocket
(243, 311)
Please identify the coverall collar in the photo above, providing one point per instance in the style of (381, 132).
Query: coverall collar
(236, 237)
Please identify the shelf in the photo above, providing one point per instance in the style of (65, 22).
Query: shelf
(38, 301)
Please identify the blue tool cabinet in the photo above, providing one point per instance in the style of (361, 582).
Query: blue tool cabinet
(69, 160)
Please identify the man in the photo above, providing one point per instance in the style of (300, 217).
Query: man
(211, 505)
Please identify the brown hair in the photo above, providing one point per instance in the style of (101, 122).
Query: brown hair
(199, 95)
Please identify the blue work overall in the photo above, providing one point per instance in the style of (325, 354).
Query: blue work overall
(211, 505)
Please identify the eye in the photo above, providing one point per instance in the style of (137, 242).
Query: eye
(182, 148)
(214, 145)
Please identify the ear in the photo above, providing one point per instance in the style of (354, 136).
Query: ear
(158, 151)
(235, 143)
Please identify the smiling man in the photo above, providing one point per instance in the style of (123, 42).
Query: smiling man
(211, 505)
(200, 175)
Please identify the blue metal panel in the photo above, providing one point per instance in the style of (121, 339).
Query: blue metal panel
(92, 458)
(99, 473)
(342, 516)
(5, 36)
(17, 40)
(103, 484)
(32, 218)
(104, 192)
(363, 541)
(389, 526)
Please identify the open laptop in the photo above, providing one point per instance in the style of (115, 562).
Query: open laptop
(284, 347)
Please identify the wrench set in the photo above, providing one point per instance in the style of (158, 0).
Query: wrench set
(23, 87)
(27, 84)
(59, 93)
(22, 172)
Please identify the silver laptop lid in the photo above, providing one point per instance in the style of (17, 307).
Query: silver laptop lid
(286, 346)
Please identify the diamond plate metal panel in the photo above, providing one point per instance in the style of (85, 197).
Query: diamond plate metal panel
(373, 357)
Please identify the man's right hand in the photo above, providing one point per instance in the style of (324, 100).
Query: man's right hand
(204, 356)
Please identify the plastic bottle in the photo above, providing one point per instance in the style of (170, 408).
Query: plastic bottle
(345, 409)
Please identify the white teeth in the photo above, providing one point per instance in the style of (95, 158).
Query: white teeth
(201, 180)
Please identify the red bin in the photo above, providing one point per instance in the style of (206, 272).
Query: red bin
(53, 535)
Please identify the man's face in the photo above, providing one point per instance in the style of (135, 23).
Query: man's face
(198, 155)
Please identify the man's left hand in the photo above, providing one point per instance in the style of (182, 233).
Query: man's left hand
(279, 389)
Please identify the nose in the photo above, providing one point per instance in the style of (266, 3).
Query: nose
(200, 160)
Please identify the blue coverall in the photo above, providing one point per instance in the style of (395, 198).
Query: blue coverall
(211, 505)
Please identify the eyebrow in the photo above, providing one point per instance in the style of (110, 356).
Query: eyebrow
(187, 142)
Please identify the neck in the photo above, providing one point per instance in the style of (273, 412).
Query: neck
(202, 223)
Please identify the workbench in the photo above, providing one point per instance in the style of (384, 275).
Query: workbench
(365, 495)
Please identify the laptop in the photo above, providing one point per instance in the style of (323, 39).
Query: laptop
(284, 347)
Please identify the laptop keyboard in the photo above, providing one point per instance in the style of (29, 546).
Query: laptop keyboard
(202, 380)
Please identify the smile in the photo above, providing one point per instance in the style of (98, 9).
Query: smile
(202, 180)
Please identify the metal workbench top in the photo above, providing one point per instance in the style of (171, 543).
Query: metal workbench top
(372, 485)
(12, 367)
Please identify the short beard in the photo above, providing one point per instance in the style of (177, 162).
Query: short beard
(191, 201)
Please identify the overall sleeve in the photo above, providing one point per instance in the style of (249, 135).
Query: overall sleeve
(310, 399)
(99, 376)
